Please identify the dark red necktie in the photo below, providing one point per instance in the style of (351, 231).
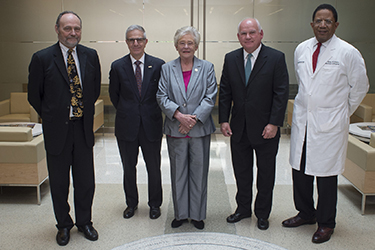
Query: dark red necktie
(315, 56)
(138, 76)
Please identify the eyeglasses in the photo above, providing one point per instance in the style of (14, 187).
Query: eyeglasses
(183, 44)
(328, 22)
(139, 40)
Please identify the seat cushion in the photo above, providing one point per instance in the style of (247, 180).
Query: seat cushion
(15, 118)
(15, 134)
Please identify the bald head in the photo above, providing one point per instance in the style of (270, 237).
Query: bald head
(248, 19)
(250, 34)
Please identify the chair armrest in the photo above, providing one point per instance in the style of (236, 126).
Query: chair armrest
(4, 107)
(364, 111)
(362, 154)
(33, 115)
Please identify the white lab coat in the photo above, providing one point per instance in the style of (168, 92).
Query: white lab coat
(325, 101)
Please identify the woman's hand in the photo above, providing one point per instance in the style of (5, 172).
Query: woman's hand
(187, 122)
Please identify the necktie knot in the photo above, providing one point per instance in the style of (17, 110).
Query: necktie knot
(137, 63)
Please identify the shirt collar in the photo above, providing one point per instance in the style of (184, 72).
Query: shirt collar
(142, 59)
(65, 49)
(255, 52)
(325, 44)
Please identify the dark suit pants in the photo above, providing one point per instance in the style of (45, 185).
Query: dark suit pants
(242, 159)
(151, 155)
(79, 156)
(303, 189)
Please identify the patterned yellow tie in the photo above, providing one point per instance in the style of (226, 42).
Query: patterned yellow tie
(75, 87)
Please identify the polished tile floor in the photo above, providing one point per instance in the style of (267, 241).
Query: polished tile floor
(25, 225)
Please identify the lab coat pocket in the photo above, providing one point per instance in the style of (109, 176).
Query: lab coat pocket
(330, 120)
(329, 73)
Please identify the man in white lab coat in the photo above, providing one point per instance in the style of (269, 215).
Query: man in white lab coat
(332, 80)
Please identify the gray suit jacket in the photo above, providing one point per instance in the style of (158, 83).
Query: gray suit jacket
(199, 99)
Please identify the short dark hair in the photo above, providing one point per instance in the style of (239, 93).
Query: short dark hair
(66, 12)
(326, 6)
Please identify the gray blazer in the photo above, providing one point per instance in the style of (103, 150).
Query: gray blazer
(199, 99)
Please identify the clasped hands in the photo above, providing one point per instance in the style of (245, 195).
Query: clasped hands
(187, 122)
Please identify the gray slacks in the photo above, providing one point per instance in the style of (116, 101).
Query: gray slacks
(189, 161)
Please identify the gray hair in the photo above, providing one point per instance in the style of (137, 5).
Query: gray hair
(256, 20)
(135, 27)
(187, 30)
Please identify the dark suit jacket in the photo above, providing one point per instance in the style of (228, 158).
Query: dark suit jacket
(48, 93)
(263, 101)
(131, 109)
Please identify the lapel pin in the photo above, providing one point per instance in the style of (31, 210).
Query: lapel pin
(196, 70)
(150, 66)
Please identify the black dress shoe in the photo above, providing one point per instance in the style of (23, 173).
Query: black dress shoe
(297, 221)
(237, 217)
(323, 234)
(198, 224)
(129, 212)
(89, 232)
(154, 212)
(263, 224)
(63, 236)
(177, 223)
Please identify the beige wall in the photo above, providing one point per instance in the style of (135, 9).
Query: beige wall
(28, 26)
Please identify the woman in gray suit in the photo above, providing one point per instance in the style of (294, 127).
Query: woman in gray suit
(186, 95)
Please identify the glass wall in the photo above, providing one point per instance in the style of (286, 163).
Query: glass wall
(28, 26)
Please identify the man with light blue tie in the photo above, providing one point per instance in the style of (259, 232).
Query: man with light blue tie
(254, 90)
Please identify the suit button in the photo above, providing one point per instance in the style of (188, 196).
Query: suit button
(184, 105)
(66, 123)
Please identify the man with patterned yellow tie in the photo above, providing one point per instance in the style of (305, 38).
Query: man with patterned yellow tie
(332, 81)
(64, 83)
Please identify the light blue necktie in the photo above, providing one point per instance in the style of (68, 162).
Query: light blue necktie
(248, 68)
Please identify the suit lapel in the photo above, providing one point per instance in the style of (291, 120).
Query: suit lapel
(196, 71)
(240, 65)
(260, 61)
(130, 72)
(177, 72)
(326, 55)
(82, 57)
(60, 62)
(147, 73)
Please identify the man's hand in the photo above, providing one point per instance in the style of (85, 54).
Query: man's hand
(269, 131)
(225, 129)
